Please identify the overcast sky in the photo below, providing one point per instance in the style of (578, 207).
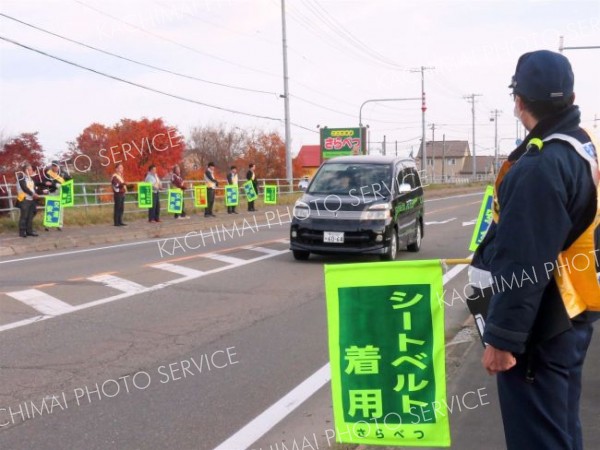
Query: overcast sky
(340, 53)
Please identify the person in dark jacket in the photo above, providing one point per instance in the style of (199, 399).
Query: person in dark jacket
(546, 197)
(119, 189)
(251, 176)
(27, 194)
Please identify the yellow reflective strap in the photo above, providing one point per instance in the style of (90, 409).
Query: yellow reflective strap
(537, 142)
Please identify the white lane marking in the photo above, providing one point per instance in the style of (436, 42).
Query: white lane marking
(268, 251)
(156, 287)
(180, 270)
(278, 411)
(152, 241)
(22, 323)
(454, 196)
(469, 222)
(120, 284)
(42, 302)
(129, 244)
(440, 222)
(224, 258)
(453, 272)
(261, 424)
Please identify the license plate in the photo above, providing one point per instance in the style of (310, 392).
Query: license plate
(333, 237)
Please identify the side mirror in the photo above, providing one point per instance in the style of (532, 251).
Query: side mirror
(404, 188)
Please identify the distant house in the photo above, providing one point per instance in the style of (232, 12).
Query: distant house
(309, 157)
(447, 158)
(484, 165)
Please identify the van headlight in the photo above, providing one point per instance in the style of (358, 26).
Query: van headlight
(301, 211)
(378, 211)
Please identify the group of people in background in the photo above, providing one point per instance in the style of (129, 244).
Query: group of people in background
(32, 186)
(120, 189)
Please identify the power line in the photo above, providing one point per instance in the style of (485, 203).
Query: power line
(138, 62)
(348, 36)
(140, 85)
(179, 44)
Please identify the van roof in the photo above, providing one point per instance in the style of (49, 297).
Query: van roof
(370, 159)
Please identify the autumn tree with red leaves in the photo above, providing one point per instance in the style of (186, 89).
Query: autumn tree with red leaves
(135, 143)
(19, 150)
(267, 151)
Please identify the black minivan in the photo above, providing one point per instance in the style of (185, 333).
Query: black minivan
(360, 204)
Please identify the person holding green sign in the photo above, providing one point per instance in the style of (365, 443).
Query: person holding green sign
(251, 176)
(211, 186)
(55, 178)
(232, 179)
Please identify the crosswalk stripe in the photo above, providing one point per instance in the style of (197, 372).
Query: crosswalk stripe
(225, 259)
(42, 302)
(120, 284)
(268, 251)
(180, 270)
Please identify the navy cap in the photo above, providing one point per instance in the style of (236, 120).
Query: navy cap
(543, 75)
(55, 163)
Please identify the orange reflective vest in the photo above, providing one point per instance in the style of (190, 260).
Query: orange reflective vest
(575, 272)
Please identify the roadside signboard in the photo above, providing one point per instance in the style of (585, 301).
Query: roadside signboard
(342, 142)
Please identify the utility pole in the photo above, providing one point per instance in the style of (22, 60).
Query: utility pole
(286, 100)
(433, 150)
(444, 158)
(494, 118)
(396, 147)
(383, 146)
(471, 99)
(422, 69)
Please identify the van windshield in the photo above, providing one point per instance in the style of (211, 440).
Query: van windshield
(352, 179)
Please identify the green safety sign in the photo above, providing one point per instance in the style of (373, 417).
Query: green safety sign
(232, 195)
(175, 201)
(67, 194)
(387, 354)
(52, 212)
(484, 220)
(270, 194)
(145, 195)
(251, 194)
(200, 196)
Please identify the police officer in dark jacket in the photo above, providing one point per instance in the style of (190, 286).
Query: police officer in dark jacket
(545, 198)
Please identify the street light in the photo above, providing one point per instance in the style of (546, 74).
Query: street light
(360, 125)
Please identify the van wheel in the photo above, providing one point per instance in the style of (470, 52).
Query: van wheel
(416, 246)
(300, 255)
(392, 250)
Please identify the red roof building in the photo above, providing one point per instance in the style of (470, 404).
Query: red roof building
(309, 157)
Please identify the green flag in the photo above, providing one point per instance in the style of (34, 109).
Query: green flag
(52, 212)
(270, 194)
(484, 220)
(386, 348)
(67, 194)
(251, 194)
(175, 201)
(232, 195)
(145, 195)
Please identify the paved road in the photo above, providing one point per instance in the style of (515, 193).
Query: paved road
(128, 347)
